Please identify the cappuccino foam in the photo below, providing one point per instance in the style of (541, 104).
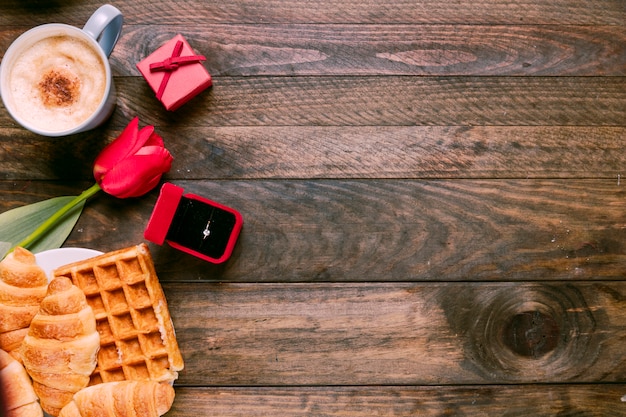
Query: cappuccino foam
(57, 83)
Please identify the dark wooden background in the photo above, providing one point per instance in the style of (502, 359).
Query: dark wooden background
(434, 197)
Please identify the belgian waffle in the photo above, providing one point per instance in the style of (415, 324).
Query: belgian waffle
(137, 339)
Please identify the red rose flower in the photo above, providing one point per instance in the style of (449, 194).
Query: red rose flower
(132, 164)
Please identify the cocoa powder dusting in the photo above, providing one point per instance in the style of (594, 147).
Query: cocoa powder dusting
(59, 88)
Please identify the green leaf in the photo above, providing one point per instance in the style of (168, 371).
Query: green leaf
(18, 223)
(4, 248)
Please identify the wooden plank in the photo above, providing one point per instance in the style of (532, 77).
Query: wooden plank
(429, 50)
(381, 230)
(426, 50)
(411, 152)
(385, 101)
(578, 12)
(399, 334)
(470, 401)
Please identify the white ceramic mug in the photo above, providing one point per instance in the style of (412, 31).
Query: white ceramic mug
(100, 33)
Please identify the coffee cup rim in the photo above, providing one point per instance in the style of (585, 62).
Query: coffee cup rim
(32, 36)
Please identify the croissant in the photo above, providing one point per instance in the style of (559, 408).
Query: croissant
(121, 399)
(19, 399)
(23, 286)
(59, 351)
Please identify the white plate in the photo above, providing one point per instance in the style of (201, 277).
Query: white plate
(52, 259)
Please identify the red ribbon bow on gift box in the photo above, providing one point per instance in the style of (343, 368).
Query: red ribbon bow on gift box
(171, 64)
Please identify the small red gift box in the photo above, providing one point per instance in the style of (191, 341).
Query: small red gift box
(175, 73)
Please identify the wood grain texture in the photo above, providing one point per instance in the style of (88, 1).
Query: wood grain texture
(304, 334)
(427, 401)
(387, 230)
(164, 12)
(389, 101)
(240, 50)
(243, 50)
(283, 152)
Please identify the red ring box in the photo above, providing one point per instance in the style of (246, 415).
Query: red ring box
(193, 224)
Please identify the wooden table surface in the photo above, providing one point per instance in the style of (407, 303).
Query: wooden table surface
(434, 198)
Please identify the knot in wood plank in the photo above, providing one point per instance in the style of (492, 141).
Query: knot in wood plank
(529, 332)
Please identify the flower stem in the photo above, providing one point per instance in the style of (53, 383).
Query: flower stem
(51, 221)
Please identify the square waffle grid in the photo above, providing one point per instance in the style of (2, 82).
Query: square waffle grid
(137, 340)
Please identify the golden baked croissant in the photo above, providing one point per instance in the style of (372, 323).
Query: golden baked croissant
(16, 389)
(121, 399)
(23, 285)
(60, 349)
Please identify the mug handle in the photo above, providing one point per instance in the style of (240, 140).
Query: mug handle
(105, 26)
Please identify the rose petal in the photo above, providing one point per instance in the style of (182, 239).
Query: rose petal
(126, 144)
(150, 150)
(145, 133)
(154, 140)
(117, 150)
(145, 172)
